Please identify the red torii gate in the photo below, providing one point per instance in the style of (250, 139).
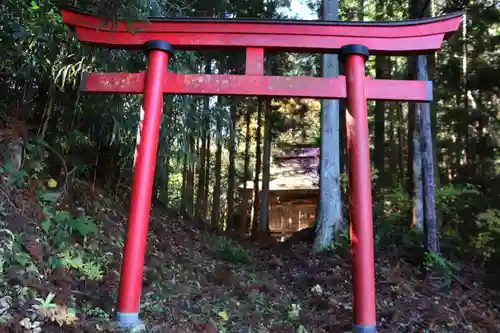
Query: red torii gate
(354, 41)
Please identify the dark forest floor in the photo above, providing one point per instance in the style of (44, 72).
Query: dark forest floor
(189, 288)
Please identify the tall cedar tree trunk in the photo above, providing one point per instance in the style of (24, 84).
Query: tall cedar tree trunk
(171, 119)
(266, 166)
(206, 191)
(201, 171)
(231, 172)
(329, 219)
(191, 163)
(464, 90)
(415, 160)
(246, 167)
(184, 179)
(165, 167)
(164, 195)
(200, 195)
(420, 8)
(217, 169)
(185, 166)
(427, 219)
(258, 160)
(382, 70)
(431, 69)
(432, 238)
(414, 171)
(400, 142)
(393, 143)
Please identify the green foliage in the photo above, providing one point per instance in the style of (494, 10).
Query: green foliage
(6, 246)
(294, 312)
(89, 310)
(451, 200)
(3, 211)
(487, 239)
(341, 241)
(230, 251)
(63, 221)
(16, 178)
(89, 264)
(18, 256)
(434, 262)
(45, 303)
(392, 205)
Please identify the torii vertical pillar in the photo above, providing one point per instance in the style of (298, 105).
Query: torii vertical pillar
(360, 198)
(142, 184)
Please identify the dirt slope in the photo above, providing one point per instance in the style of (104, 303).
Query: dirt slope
(191, 286)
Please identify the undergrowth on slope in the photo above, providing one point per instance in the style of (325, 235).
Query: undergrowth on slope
(60, 245)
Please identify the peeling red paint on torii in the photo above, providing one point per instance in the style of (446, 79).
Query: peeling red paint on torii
(352, 40)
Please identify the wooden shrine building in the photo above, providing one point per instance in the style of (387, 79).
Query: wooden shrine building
(293, 191)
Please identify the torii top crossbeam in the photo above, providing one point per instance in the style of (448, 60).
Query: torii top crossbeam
(396, 38)
(353, 40)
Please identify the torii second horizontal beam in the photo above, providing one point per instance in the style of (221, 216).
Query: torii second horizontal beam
(249, 85)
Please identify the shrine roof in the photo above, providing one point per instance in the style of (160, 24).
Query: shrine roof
(294, 168)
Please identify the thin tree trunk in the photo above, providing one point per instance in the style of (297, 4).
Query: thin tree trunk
(431, 69)
(258, 160)
(217, 185)
(393, 143)
(379, 151)
(329, 219)
(231, 173)
(266, 164)
(246, 167)
(164, 167)
(190, 177)
(189, 204)
(200, 194)
(381, 62)
(464, 87)
(401, 142)
(414, 175)
(206, 191)
(418, 206)
(184, 181)
(409, 158)
(166, 186)
(205, 174)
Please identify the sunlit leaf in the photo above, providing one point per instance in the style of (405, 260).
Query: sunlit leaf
(223, 315)
(34, 5)
(51, 183)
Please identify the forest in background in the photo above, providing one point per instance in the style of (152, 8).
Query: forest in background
(55, 137)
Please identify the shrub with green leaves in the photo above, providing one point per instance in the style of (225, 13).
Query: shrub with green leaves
(83, 226)
(485, 241)
(443, 267)
(230, 251)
